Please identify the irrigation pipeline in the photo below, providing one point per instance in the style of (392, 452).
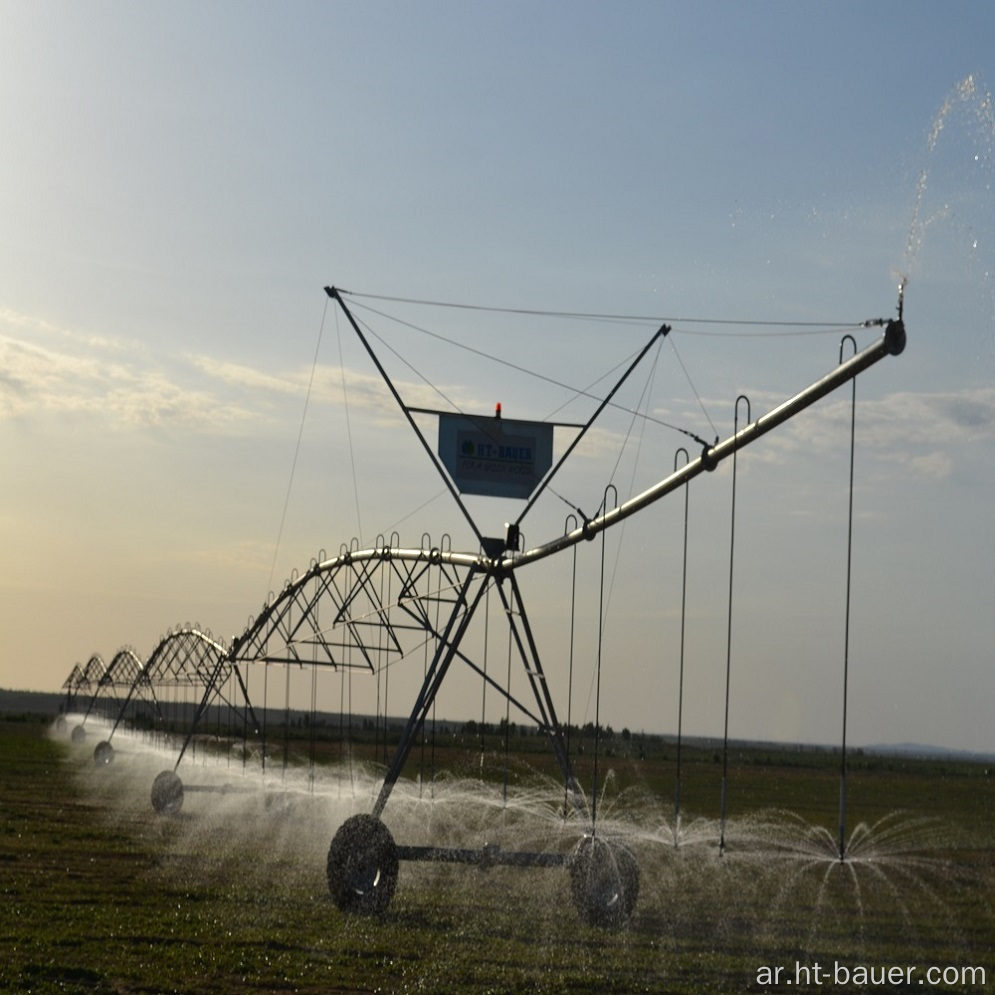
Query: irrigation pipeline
(362, 860)
(892, 343)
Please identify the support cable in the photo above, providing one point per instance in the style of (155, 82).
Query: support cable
(394, 543)
(483, 693)
(815, 327)
(570, 656)
(661, 333)
(297, 448)
(265, 713)
(312, 743)
(694, 390)
(348, 428)
(230, 711)
(732, 549)
(286, 722)
(507, 724)
(680, 681)
(421, 376)
(352, 769)
(426, 543)
(342, 744)
(846, 625)
(335, 295)
(577, 392)
(438, 639)
(644, 398)
(597, 693)
(380, 669)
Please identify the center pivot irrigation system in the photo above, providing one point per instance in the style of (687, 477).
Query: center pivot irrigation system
(367, 608)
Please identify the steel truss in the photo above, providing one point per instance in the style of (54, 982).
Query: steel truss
(82, 680)
(185, 658)
(363, 858)
(367, 609)
(119, 676)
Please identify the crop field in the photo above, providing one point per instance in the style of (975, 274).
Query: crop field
(100, 894)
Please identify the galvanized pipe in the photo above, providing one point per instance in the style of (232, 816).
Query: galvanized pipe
(489, 855)
(890, 344)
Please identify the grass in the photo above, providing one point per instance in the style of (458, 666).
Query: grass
(101, 895)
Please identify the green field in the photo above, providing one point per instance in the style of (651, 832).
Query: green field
(102, 895)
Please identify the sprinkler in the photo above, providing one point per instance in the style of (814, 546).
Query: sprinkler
(604, 874)
(366, 608)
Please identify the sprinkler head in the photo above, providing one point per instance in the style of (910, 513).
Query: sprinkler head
(894, 337)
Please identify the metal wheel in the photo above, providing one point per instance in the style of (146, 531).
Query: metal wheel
(604, 882)
(103, 754)
(167, 793)
(362, 866)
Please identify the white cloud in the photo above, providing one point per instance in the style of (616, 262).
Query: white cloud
(37, 379)
(32, 376)
(936, 465)
(45, 369)
(923, 432)
(32, 325)
(334, 386)
(243, 376)
(152, 399)
(49, 370)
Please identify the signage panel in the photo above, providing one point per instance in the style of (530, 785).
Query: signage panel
(497, 457)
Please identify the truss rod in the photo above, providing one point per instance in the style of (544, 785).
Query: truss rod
(449, 641)
(336, 296)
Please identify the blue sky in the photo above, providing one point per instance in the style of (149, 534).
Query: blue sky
(179, 182)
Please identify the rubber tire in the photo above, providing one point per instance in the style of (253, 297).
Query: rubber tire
(362, 866)
(604, 882)
(167, 793)
(103, 753)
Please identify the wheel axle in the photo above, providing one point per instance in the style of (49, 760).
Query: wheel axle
(363, 862)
